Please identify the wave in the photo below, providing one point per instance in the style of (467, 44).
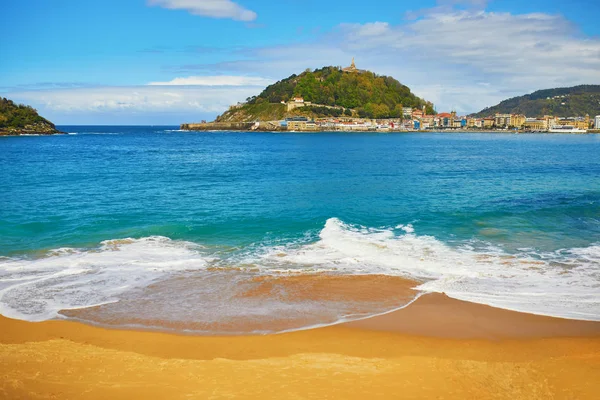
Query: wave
(564, 283)
(183, 280)
(68, 278)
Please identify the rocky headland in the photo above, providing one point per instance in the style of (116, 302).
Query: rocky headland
(19, 119)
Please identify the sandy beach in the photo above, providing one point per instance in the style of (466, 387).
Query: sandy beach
(435, 348)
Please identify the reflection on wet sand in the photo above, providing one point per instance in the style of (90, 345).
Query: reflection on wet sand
(225, 301)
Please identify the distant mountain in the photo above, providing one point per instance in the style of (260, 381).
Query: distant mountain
(18, 119)
(575, 101)
(333, 91)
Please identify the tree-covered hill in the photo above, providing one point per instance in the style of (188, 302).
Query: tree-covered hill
(364, 94)
(573, 101)
(17, 119)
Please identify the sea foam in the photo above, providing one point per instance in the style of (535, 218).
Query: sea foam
(67, 278)
(563, 283)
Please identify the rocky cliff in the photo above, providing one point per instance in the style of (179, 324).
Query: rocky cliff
(18, 119)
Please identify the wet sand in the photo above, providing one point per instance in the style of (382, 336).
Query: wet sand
(436, 315)
(435, 348)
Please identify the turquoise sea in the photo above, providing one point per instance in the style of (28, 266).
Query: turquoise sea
(213, 231)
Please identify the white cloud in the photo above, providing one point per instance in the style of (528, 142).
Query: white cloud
(369, 29)
(462, 59)
(219, 80)
(208, 8)
(145, 99)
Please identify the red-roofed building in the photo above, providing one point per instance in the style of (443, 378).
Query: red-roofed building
(417, 113)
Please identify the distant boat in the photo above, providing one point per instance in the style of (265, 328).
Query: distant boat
(566, 129)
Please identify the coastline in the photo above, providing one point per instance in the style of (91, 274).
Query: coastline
(24, 132)
(235, 127)
(434, 347)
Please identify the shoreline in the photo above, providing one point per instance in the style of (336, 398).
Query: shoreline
(437, 315)
(431, 315)
(436, 347)
(448, 131)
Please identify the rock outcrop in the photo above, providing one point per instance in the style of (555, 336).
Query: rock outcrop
(18, 119)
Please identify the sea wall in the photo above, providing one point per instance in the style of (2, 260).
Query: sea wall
(218, 126)
(264, 126)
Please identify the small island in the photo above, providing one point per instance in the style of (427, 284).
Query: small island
(19, 119)
(314, 99)
(354, 100)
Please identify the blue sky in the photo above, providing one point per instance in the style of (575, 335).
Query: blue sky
(173, 61)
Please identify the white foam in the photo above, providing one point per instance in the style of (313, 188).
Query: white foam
(565, 283)
(100, 133)
(67, 278)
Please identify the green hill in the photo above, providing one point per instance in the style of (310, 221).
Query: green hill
(333, 92)
(576, 101)
(18, 119)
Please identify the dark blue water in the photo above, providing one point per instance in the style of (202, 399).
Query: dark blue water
(533, 197)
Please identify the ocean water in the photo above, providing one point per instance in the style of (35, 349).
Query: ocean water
(231, 232)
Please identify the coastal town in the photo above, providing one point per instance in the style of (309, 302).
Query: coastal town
(417, 120)
(413, 120)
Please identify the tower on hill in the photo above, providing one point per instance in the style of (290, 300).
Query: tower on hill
(352, 68)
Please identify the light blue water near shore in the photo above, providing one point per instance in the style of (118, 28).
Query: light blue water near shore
(502, 219)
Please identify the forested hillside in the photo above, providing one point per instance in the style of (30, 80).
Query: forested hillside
(574, 101)
(364, 94)
(18, 119)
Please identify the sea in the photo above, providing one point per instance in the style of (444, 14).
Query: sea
(251, 233)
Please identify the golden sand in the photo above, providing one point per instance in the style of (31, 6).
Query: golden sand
(387, 357)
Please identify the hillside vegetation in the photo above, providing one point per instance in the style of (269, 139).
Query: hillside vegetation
(561, 102)
(254, 112)
(363, 94)
(17, 119)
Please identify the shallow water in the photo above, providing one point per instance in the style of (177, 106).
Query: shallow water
(231, 232)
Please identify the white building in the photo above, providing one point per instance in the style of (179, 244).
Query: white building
(597, 122)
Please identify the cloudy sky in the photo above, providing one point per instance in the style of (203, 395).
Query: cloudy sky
(173, 61)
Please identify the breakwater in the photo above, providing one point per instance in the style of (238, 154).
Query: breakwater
(231, 126)
(209, 126)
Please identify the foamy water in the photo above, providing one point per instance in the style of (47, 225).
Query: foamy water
(564, 283)
(36, 289)
(154, 281)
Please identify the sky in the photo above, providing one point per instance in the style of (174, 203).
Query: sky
(153, 62)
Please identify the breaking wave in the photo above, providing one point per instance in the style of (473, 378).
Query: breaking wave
(563, 283)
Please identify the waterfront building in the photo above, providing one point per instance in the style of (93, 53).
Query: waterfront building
(517, 120)
(550, 121)
(502, 120)
(535, 124)
(444, 120)
(597, 122)
(407, 111)
(578, 123)
(427, 121)
(302, 125)
(474, 122)
(417, 113)
(457, 123)
(489, 122)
